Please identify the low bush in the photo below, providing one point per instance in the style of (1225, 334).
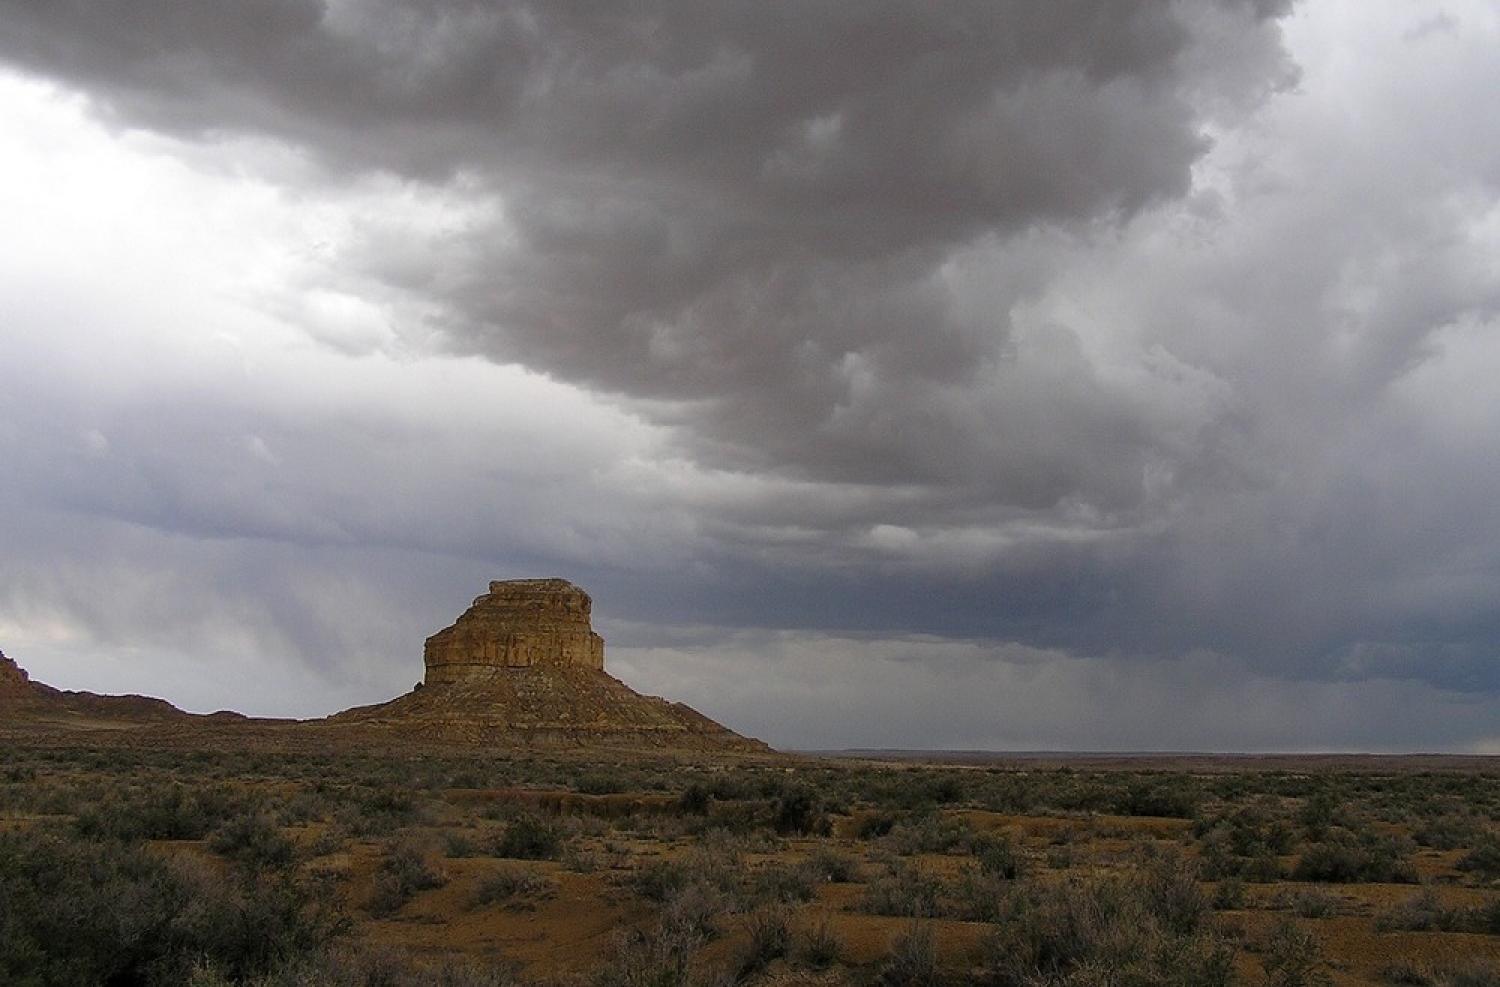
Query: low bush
(932, 833)
(1309, 904)
(253, 841)
(1372, 860)
(1144, 930)
(999, 855)
(1423, 912)
(158, 812)
(770, 938)
(514, 886)
(799, 812)
(718, 866)
(786, 884)
(819, 946)
(1293, 957)
(1484, 858)
(1449, 831)
(912, 960)
(77, 912)
(695, 800)
(404, 872)
(906, 891)
(828, 866)
(1174, 798)
(529, 837)
(1425, 975)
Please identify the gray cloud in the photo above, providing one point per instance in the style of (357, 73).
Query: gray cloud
(1109, 330)
(751, 209)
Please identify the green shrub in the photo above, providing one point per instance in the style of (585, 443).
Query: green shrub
(1449, 832)
(600, 783)
(819, 948)
(906, 891)
(1484, 858)
(161, 812)
(253, 841)
(999, 855)
(1177, 798)
(458, 846)
(800, 812)
(1423, 912)
(529, 837)
(1229, 894)
(827, 865)
(1173, 896)
(1311, 904)
(1374, 860)
(789, 885)
(513, 886)
(75, 912)
(404, 872)
(931, 833)
(912, 961)
(770, 938)
(1294, 958)
(1142, 931)
(695, 800)
(379, 812)
(980, 897)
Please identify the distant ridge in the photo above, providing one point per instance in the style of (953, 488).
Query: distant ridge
(1205, 762)
(521, 668)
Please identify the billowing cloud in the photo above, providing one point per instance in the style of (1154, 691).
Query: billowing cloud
(1118, 334)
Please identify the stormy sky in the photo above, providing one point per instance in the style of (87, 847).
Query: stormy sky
(1073, 375)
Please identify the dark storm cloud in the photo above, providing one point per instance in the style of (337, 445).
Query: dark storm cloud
(748, 207)
(1068, 324)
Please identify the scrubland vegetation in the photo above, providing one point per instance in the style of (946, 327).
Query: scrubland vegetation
(150, 867)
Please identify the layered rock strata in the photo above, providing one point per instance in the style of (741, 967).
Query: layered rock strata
(523, 666)
(519, 623)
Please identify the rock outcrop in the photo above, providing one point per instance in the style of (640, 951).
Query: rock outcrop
(519, 623)
(30, 704)
(523, 666)
(13, 678)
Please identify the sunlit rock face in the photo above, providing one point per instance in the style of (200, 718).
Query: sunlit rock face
(519, 623)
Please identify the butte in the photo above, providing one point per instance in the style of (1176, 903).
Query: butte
(523, 667)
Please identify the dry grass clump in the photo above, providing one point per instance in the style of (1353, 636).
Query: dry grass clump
(514, 887)
(403, 873)
(1149, 929)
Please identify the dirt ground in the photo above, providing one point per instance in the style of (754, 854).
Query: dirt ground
(579, 866)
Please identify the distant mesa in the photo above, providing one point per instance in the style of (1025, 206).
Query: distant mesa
(523, 665)
(521, 668)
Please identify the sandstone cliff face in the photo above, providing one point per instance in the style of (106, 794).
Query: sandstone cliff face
(13, 678)
(523, 666)
(519, 623)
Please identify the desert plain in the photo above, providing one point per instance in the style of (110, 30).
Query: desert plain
(520, 820)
